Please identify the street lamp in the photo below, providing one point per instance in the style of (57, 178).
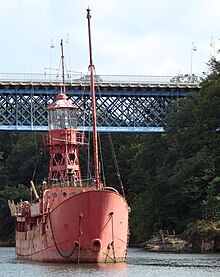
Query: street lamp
(52, 46)
(68, 42)
(212, 44)
(193, 48)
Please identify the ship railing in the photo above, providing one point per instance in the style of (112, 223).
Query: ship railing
(75, 183)
(77, 138)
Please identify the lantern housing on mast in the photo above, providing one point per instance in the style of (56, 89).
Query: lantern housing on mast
(62, 114)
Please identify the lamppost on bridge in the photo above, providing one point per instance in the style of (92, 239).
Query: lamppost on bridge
(212, 44)
(52, 46)
(68, 42)
(193, 49)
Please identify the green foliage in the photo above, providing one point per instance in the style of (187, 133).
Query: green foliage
(23, 159)
(201, 230)
(186, 185)
(212, 202)
(27, 157)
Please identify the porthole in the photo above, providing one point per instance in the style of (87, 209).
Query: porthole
(64, 194)
(73, 193)
(54, 195)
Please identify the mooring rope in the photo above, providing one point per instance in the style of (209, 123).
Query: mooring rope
(113, 242)
(79, 238)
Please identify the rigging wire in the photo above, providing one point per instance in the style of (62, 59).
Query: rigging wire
(102, 162)
(84, 109)
(116, 164)
(114, 158)
(102, 173)
(86, 117)
(35, 134)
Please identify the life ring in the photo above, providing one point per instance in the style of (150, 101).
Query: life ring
(95, 245)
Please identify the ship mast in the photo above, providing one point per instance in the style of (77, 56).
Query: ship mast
(63, 72)
(92, 88)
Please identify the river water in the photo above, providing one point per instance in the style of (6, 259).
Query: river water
(139, 263)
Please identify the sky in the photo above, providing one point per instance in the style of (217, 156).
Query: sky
(141, 37)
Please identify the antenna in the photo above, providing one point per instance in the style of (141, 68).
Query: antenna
(90, 41)
(62, 61)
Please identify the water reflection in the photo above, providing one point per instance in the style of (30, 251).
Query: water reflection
(139, 263)
(142, 257)
(51, 269)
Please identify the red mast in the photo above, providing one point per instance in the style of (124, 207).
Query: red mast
(92, 88)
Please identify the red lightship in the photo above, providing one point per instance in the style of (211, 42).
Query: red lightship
(74, 221)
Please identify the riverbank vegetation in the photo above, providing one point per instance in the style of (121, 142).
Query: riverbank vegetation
(171, 180)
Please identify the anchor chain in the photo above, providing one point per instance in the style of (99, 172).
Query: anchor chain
(56, 245)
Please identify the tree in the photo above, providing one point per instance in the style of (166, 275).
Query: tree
(26, 160)
(212, 202)
(188, 166)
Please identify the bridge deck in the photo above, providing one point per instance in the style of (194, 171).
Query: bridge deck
(124, 103)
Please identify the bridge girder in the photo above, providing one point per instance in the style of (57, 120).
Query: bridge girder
(136, 108)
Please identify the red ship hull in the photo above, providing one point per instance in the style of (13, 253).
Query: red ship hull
(89, 227)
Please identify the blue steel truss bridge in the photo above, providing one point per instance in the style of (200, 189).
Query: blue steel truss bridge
(135, 104)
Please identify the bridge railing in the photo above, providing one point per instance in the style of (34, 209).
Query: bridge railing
(84, 78)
